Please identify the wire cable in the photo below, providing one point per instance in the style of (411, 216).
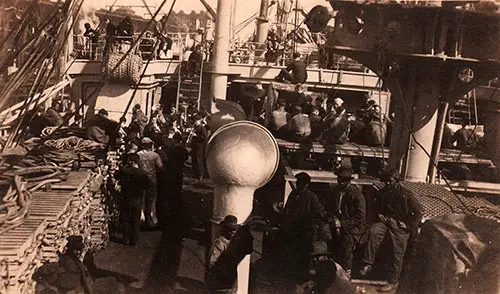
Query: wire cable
(407, 123)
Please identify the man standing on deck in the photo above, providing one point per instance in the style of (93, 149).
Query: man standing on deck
(151, 163)
(399, 217)
(347, 215)
(295, 72)
(133, 181)
(139, 120)
(302, 208)
(198, 145)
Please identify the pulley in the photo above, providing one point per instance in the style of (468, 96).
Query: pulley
(317, 19)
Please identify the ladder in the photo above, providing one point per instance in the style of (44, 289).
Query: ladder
(464, 109)
(188, 88)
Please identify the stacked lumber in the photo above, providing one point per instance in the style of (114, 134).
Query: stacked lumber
(73, 207)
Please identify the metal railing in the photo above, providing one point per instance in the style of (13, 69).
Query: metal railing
(239, 52)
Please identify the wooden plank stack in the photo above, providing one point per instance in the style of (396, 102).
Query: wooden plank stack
(73, 207)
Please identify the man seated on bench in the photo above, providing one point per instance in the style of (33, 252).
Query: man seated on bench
(295, 72)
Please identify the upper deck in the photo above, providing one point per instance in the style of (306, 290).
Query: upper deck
(166, 70)
(244, 64)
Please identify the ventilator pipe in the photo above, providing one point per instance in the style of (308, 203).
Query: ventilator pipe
(242, 156)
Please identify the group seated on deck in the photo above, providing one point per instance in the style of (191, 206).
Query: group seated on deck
(300, 119)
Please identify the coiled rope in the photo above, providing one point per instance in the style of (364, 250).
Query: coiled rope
(14, 206)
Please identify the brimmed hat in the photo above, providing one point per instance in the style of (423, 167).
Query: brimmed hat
(230, 222)
(319, 248)
(344, 172)
(388, 174)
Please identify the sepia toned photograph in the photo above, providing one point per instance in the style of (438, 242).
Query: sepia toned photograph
(249, 146)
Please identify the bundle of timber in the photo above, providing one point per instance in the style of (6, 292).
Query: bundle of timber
(127, 71)
(72, 207)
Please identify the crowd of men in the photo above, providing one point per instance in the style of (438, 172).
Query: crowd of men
(153, 155)
(301, 118)
(340, 222)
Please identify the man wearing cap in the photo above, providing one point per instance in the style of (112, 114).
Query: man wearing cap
(399, 215)
(133, 181)
(229, 226)
(295, 72)
(151, 163)
(302, 208)
(347, 215)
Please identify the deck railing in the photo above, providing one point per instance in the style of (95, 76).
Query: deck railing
(239, 52)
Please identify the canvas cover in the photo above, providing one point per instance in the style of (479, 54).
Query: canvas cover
(455, 253)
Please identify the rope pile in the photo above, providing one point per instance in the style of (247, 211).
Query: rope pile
(126, 72)
(65, 151)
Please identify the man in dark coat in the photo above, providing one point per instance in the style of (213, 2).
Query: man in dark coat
(194, 61)
(38, 122)
(295, 72)
(125, 28)
(55, 119)
(399, 217)
(301, 210)
(100, 128)
(68, 274)
(134, 182)
(139, 119)
(347, 214)
(198, 148)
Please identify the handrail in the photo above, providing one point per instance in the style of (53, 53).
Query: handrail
(240, 52)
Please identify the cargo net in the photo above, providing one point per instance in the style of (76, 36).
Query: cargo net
(437, 201)
(127, 72)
